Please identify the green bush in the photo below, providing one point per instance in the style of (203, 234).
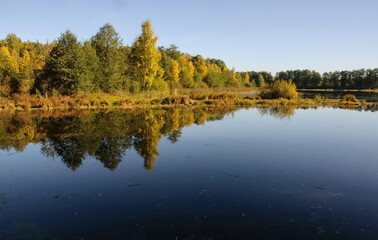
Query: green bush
(279, 89)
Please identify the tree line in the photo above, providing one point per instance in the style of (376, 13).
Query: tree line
(68, 66)
(102, 64)
(310, 79)
(356, 79)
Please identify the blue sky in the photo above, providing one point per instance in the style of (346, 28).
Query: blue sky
(271, 35)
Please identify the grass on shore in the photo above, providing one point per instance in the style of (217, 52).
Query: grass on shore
(105, 101)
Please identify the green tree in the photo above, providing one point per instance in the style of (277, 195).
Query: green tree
(260, 80)
(187, 73)
(25, 78)
(71, 67)
(215, 79)
(61, 65)
(107, 43)
(171, 69)
(88, 69)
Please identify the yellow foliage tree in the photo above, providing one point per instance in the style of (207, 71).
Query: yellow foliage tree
(8, 69)
(25, 79)
(145, 57)
(245, 78)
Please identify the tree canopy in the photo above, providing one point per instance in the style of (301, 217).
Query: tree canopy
(103, 64)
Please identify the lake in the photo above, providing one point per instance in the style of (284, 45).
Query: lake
(273, 173)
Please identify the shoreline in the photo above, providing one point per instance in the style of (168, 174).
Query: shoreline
(108, 102)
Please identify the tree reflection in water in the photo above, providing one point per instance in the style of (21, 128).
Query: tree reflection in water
(107, 136)
(73, 136)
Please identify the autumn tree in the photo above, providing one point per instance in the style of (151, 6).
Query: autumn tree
(171, 69)
(8, 71)
(246, 78)
(145, 57)
(187, 71)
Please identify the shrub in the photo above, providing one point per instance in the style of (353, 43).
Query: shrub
(199, 96)
(175, 100)
(160, 85)
(223, 96)
(252, 97)
(202, 85)
(279, 89)
(350, 98)
(318, 97)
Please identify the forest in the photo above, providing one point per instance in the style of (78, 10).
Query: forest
(103, 64)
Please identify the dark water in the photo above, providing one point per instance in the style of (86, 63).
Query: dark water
(190, 174)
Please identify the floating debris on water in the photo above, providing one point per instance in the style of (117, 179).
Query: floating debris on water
(234, 176)
(316, 205)
(336, 194)
(202, 191)
(320, 188)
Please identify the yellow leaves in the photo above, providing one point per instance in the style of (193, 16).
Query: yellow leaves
(7, 61)
(175, 71)
(191, 68)
(145, 57)
(245, 78)
(203, 70)
(4, 51)
(214, 68)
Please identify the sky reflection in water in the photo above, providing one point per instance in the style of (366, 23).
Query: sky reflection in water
(190, 174)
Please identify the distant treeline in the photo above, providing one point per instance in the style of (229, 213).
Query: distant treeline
(307, 79)
(103, 64)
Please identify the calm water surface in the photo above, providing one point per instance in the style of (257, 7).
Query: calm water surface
(190, 174)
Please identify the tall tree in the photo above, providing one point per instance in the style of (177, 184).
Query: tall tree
(61, 66)
(246, 78)
(145, 57)
(88, 69)
(8, 69)
(107, 43)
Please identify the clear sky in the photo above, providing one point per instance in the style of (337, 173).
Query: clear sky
(271, 35)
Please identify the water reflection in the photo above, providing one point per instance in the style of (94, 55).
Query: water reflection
(73, 136)
(245, 177)
(281, 112)
(107, 136)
